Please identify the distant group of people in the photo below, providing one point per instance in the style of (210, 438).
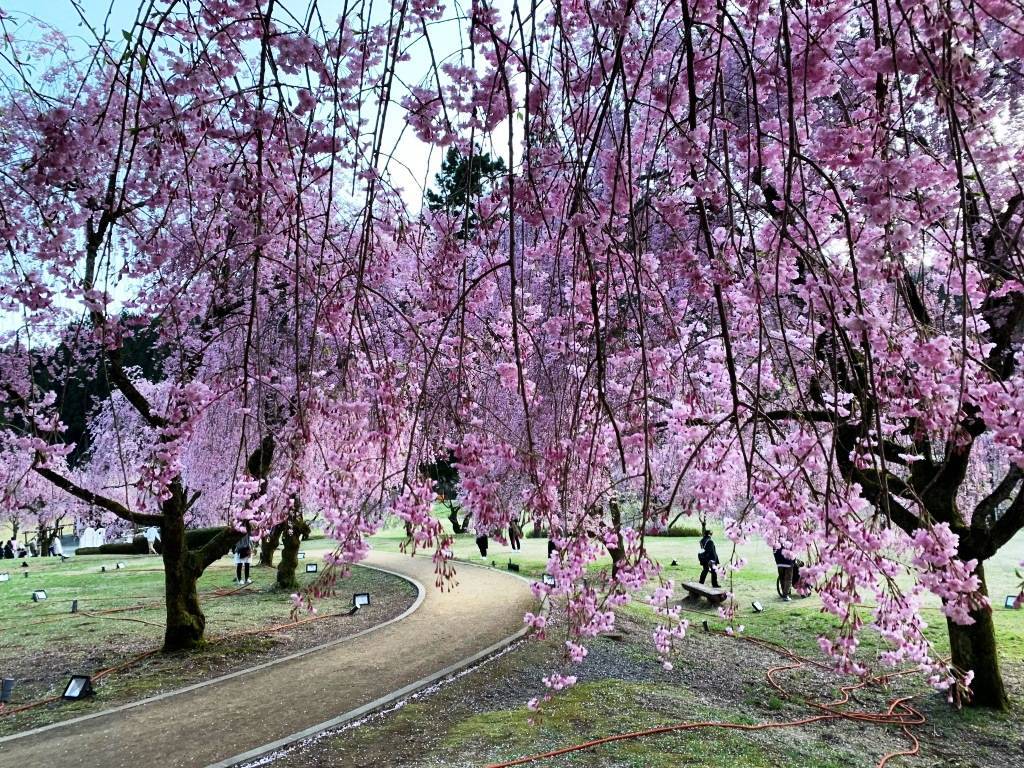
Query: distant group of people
(12, 549)
(788, 567)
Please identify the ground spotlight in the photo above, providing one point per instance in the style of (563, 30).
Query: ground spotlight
(79, 686)
(74, 606)
(302, 555)
(359, 599)
(5, 576)
(1011, 601)
(39, 595)
(6, 689)
(756, 605)
(548, 579)
(120, 566)
(310, 567)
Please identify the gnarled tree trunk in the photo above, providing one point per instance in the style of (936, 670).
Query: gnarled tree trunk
(973, 647)
(291, 538)
(269, 545)
(185, 620)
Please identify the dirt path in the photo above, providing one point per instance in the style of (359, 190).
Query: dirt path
(236, 714)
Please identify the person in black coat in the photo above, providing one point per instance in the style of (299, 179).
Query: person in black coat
(707, 556)
(786, 568)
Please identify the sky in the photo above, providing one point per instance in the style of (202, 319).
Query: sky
(413, 164)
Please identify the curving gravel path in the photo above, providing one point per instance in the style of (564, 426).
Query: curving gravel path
(237, 717)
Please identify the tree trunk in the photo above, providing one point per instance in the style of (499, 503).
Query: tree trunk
(291, 538)
(269, 545)
(185, 620)
(974, 647)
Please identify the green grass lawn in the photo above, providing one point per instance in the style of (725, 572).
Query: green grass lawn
(121, 615)
(480, 718)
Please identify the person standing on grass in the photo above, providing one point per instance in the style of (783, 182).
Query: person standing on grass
(515, 534)
(785, 566)
(707, 556)
(243, 556)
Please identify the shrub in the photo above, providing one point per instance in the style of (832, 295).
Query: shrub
(692, 531)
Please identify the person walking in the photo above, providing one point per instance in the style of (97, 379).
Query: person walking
(243, 557)
(707, 556)
(785, 566)
(481, 544)
(515, 534)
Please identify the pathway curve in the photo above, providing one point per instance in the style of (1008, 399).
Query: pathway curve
(239, 716)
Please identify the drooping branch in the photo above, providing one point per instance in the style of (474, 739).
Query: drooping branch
(96, 499)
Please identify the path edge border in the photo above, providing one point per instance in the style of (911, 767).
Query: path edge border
(421, 593)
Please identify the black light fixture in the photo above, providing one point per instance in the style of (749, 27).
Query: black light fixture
(5, 576)
(548, 579)
(79, 686)
(6, 690)
(1011, 601)
(360, 599)
(103, 569)
(310, 567)
(120, 566)
(513, 566)
(756, 605)
(705, 625)
(302, 555)
(675, 564)
(39, 595)
(74, 606)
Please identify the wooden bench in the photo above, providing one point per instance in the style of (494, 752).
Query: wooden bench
(713, 595)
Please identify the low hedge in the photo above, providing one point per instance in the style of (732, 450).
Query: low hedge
(197, 538)
(689, 531)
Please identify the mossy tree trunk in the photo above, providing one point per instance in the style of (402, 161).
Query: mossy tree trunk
(617, 552)
(183, 566)
(973, 646)
(291, 539)
(185, 620)
(44, 538)
(269, 545)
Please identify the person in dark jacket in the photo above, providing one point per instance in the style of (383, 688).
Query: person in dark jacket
(9, 550)
(243, 558)
(786, 568)
(707, 556)
(515, 534)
